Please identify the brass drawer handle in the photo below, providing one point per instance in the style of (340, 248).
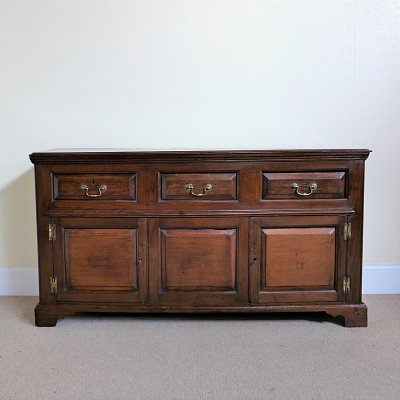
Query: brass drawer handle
(311, 189)
(101, 189)
(206, 189)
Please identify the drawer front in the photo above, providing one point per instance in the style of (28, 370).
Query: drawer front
(304, 185)
(94, 186)
(199, 186)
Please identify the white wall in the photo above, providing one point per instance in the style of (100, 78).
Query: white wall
(192, 74)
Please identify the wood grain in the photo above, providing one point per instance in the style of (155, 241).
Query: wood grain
(198, 261)
(101, 259)
(119, 186)
(250, 245)
(201, 259)
(299, 257)
(174, 186)
(330, 185)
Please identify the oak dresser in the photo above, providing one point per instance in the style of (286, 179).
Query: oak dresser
(200, 231)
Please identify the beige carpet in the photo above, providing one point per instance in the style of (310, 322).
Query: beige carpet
(199, 357)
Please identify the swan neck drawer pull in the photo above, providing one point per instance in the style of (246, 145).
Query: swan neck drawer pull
(311, 189)
(100, 189)
(206, 189)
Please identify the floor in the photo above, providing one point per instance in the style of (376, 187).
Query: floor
(199, 357)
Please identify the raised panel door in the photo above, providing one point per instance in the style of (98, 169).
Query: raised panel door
(102, 259)
(199, 261)
(297, 259)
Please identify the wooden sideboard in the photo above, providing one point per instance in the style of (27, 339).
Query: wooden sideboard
(200, 231)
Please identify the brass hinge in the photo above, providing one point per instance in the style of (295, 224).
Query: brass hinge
(52, 232)
(347, 231)
(53, 284)
(346, 284)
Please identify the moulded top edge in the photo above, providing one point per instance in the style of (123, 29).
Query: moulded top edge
(130, 155)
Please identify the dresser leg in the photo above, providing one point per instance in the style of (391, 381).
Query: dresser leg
(357, 317)
(354, 315)
(44, 317)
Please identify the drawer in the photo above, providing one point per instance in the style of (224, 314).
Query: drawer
(94, 186)
(199, 186)
(304, 185)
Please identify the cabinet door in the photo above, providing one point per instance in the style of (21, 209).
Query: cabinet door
(297, 259)
(101, 259)
(198, 261)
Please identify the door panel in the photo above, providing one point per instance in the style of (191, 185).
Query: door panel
(297, 259)
(308, 259)
(199, 261)
(203, 259)
(90, 253)
(102, 259)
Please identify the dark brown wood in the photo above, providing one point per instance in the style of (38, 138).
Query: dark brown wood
(353, 315)
(65, 156)
(278, 185)
(298, 259)
(223, 186)
(45, 246)
(149, 203)
(250, 185)
(199, 261)
(355, 246)
(119, 186)
(251, 244)
(101, 259)
(45, 317)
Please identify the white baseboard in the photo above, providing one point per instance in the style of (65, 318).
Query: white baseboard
(23, 281)
(19, 281)
(381, 279)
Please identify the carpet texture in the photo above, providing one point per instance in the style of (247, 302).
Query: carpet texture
(199, 357)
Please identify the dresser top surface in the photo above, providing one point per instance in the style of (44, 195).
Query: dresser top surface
(65, 155)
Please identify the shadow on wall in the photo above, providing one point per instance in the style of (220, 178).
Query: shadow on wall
(18, 222)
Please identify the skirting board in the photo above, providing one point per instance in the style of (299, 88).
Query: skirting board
(23, 281)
